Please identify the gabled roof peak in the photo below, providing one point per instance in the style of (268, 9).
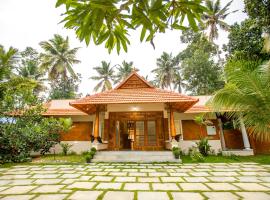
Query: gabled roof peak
(134, 81)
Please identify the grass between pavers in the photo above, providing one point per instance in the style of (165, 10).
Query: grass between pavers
(60, 159)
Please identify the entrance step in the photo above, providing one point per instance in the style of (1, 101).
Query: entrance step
(135, 156)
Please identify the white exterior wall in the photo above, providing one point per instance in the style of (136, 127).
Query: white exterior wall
(135, 107)
(77, 146)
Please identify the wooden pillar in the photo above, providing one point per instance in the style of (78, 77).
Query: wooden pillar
(96, 126)
(172, 125)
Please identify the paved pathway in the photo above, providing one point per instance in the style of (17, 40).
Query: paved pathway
(136, 181)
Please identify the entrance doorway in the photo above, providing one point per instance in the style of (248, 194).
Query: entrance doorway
(136, 131)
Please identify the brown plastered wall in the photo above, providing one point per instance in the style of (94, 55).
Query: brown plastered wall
(192, 131)
(80, 131)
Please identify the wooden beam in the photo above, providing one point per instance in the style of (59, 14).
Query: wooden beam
(172, 125)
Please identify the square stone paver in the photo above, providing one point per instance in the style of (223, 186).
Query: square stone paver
(172, 179)
(221, 178)
(199, 174)
(47, 181)
(165, 186)
(148, 179)
(196, 179)
(82, 185)
(42, 176)
(51, 197)
(85, 195)
(70, 175)
(3, 188)
(125, 179)
(137, 174)
(18, 190)
(252, 186)
(220, 196)
(48, 188)
(158, 174)
(113, 195)
(193, 186)
(153, 196)
(222, 186)
(248, 179)
(137, 186)
(254, 195)
(18, 197)
(115, 186)
(186, 196)
(102, 178)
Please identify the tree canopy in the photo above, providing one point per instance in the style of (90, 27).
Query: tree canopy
(110, 21)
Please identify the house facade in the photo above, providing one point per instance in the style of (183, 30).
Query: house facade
(137, 116)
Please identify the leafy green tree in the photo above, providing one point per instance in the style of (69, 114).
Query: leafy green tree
(201, 74)
(29, 68)
(23, 129)
(105, 76)
(109, 21)
(167, 68)
(248, 93)
(65, 88)
(246, 40)
(124, 71)
(215, 16)
(8, 59)
(259, 10)
(58, 58)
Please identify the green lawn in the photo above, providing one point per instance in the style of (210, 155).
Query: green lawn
(262, 159)
(79, 159)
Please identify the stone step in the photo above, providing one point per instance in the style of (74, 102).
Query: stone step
(134, 156)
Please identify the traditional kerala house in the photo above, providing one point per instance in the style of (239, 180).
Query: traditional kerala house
(137, 116)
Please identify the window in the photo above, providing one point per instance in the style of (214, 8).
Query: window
(211, 130)
(151, 133)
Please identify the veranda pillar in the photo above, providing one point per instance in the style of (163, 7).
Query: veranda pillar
(96, 127)
(244, 135)
(172, 125)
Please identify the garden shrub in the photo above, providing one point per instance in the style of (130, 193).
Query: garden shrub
(203, 146)
(65, 148)
(23, 129)
(176, 152)
(93, 149)
(195, 155)
(88, 158)
(89, 155)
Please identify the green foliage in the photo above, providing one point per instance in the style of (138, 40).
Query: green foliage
(65, 88)
(23, 129)
(89, 155)
(195, 155)
(93, 149)
(246, 41)
(65, 148)
(88, 158)
(202, 74)
(259, 10)
(203, 146)
(176, 152)
(8, 59)
(167, 73)
(124, 71)
(109, 21)
(28, 67)
(215, 16)
(248, 91)
(105, 76)
(58, 58)
(66, 123)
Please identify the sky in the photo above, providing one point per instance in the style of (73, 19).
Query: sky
(27, 22)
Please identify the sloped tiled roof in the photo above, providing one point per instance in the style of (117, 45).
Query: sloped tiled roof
(134, 89)
(61, 107)
(200, 106)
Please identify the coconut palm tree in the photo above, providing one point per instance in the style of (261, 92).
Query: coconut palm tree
(7, 61)
(105, 76)
(167, 67)
(123, 71)
(58, 58)
(215, 16)
(178, 82)
(248, 93)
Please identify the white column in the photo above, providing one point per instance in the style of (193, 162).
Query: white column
(222, 139)
(244, 134)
